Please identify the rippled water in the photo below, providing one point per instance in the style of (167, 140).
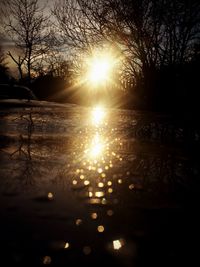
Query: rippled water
(93, 186)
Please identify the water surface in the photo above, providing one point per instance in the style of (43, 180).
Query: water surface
(92, 186)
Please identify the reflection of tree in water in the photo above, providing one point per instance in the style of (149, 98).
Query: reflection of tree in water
(25, 141)
(160, 128)
(139, 165)
(144, 153)
(24, 169)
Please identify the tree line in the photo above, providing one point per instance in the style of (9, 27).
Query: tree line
(157, 43)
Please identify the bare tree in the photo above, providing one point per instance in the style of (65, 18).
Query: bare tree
(182, 28)
(75, 28)
(4, 71)
(28, 28)
(19, 61)
(149, 34)
(2, 57)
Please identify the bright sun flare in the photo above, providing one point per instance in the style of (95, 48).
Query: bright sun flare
(100, 69)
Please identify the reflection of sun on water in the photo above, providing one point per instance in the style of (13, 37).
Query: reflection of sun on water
(117, 244)
(96, 147)
(96, 150)
(98, 115)
(96, 159)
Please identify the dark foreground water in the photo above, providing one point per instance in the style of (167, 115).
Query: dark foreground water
(97, 187)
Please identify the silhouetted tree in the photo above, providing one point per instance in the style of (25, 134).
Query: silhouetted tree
(4, 71)
(149, 34)
(28, 28)
(53, 63)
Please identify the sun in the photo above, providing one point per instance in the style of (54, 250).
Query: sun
(99, 69)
